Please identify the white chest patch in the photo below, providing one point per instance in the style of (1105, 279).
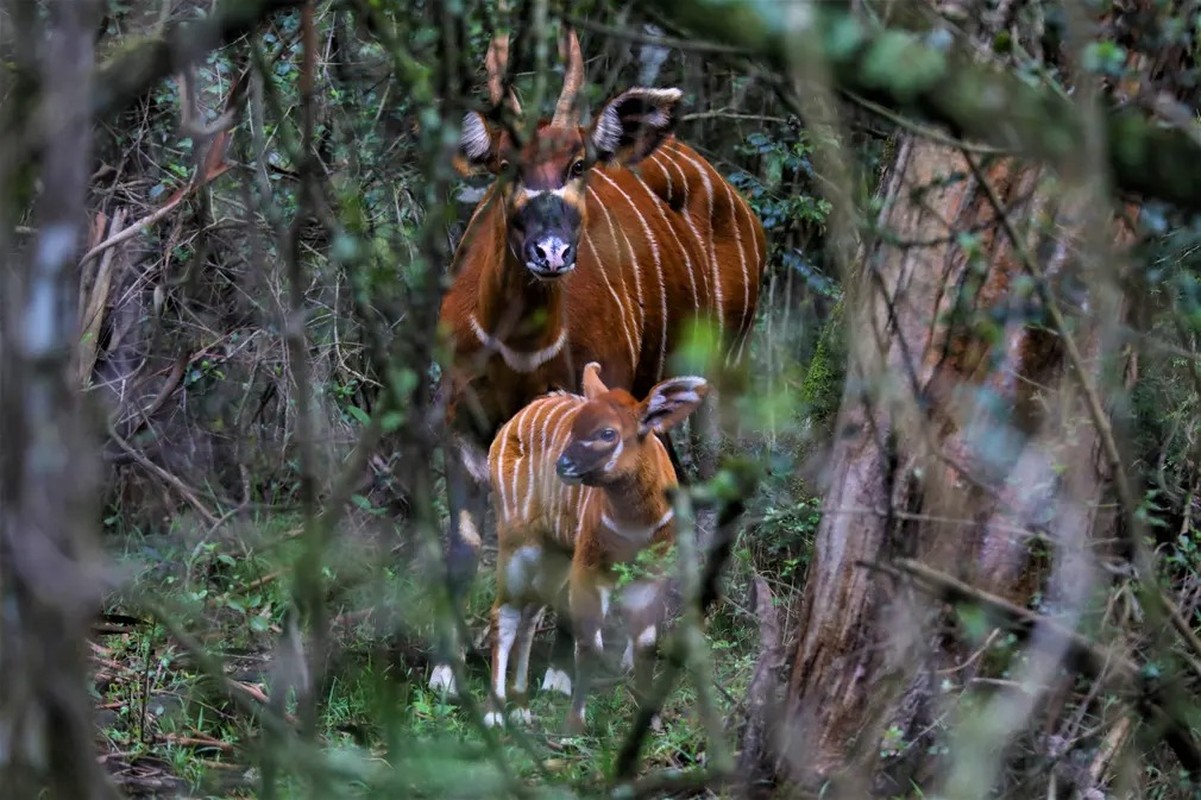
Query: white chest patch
(521, 573)
(637, 533)
(517, 360)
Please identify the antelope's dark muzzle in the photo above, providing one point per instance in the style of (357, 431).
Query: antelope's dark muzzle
(547, 230)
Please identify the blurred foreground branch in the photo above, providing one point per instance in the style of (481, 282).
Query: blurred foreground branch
(730, 489)
(50, 570)
(1097, 662)
(897, 71)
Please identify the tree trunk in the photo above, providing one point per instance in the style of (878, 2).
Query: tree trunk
(50, 570)
(960, 432)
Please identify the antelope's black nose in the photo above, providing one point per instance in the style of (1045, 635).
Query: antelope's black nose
(549, 256)
(566, 469)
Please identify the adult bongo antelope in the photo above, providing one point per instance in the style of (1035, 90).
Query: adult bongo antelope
(580, 486)
(597, 244)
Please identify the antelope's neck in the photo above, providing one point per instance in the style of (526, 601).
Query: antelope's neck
(635, 508)
(515, 313)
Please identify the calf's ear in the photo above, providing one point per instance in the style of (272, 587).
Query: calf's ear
(670, 402)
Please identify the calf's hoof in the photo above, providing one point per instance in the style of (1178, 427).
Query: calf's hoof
(574, 725)
(494, 719)
(520, 716)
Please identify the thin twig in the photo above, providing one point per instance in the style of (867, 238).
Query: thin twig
(1137, 554)
(1092, 399)
(165, 476)
(1113, 742)
(723, 114)
(923, 131)
(145, 222)
(675, 649)
(93, 314)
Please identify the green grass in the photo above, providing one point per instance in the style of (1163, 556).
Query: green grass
(383, 733)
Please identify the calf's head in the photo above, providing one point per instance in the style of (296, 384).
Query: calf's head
(610, 429)
(545, 176)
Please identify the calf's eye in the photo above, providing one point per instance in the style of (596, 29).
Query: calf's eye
(577, 169)
(608, 435)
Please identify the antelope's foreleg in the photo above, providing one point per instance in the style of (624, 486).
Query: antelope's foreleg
(531, 615)
(644, 613)
(467, 498)
(506, 618)
(562, 654)
(646, 649)
(587, 617)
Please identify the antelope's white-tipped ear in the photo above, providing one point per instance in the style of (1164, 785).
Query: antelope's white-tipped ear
(476, 142)
(630, 126)
(593, 385)
(670, 402)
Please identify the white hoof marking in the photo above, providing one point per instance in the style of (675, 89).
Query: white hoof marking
(494, 719)
(627, 658)
(521, 716)
(556, 680)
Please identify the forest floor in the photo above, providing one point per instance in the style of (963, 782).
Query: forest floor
(185, 659)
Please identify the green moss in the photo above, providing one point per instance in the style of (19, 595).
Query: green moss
(822, 386)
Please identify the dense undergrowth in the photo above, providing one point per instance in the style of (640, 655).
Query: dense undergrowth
(169, 723)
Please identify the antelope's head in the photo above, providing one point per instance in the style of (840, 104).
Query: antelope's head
(543, 195)
(612, 426)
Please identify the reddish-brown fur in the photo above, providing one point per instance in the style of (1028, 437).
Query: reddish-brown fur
(656, 237)
(553, 534)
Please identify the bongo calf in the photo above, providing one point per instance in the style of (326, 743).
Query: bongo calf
(580, 486)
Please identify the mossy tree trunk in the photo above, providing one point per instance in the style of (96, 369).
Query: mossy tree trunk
(966, 441)
(956, 425)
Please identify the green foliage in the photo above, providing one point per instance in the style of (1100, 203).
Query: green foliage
(648, 563)
(821, 390)
(784, 159)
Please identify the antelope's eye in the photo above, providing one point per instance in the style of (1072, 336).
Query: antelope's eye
(504, 164)
(577, 168)
(608, 435)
